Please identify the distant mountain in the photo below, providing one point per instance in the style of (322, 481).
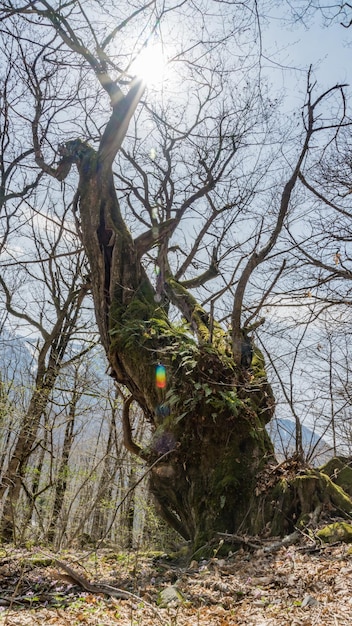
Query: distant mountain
(15, 356)
(282, 432)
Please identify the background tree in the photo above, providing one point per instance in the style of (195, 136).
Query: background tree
(51, 350)
(219, 170)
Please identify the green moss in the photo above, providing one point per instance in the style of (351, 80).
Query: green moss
(339, 531)
(41, 561)
(340, 473)
(80, 149)
(315, 487)
(130, 324)
(258, 364)
(229, 480)
(282, 487)
(197, 314)
(294, 500)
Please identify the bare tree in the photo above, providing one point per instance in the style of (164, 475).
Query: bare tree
(56, 275)
(62, 472)
(202, 387)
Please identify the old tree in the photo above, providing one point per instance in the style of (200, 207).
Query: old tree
(179, 198)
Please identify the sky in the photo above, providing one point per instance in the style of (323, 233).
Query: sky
(327, 48)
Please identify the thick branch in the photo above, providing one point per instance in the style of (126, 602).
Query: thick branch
(258, 257)
(128, 442)
(128, 19)
(263, 298)
(154, 235)
(117, 125)
(209, 274)
(189, 307)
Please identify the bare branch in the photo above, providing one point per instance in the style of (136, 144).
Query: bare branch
(260, 256)
(131, 445)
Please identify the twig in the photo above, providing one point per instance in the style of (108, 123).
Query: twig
(241, 540)
(103, 588)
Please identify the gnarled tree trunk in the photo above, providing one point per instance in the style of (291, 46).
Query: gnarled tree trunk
(209, 418)
(209, 414)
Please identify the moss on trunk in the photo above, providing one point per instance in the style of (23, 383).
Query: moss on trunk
(290, 497)
(338, 531)
(339, 469)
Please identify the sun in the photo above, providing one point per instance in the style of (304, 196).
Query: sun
(151, 64)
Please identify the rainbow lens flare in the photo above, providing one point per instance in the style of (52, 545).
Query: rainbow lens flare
(160, 376)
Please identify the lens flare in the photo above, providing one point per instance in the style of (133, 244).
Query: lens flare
(160, 376)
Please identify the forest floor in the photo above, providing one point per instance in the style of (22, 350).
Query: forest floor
(266, 584)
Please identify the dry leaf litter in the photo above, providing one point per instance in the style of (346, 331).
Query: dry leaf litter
(297, 585)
